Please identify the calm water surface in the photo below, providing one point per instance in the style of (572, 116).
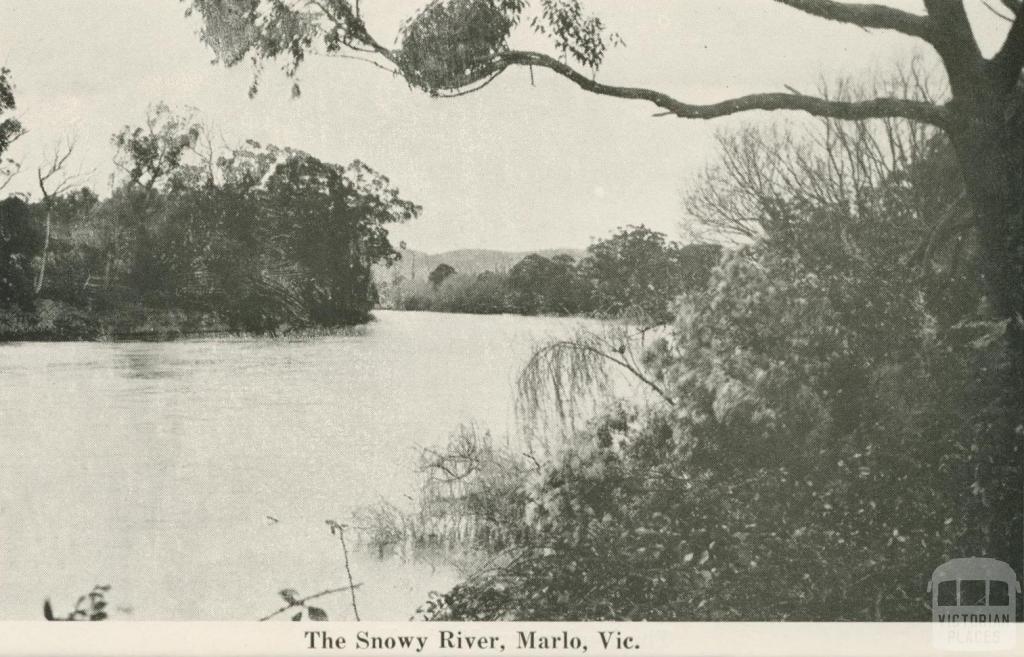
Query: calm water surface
(153, 466)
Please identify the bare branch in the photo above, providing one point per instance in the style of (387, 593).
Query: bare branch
(53, 178)
(848, 110)
(866, 15)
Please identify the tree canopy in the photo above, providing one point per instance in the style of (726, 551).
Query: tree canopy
(440, 273)
(10, 127)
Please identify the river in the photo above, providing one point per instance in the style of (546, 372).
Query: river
(195, 476)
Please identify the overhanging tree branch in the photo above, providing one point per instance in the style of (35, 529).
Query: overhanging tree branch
(866, 15)
(848, 110)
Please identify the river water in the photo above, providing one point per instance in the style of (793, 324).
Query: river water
(153, 466)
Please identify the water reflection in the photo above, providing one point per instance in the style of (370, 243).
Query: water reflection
(142, 361)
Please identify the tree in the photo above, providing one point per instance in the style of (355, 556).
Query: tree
(75, 245)
(149, 154)
(457, 46)
(153, 159)
(440, 273)
(893, 185)
(334, 221)
(10, 128)
(549, 285)
(54, 181)
(635, 271)
(19, 243)
(529, 280)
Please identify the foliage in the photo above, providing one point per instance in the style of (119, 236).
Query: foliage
(10, 128)
(291, 596)
(440, 273)
(768, 492)
(449, 44)
(832, 431)
(258, 238)
(584, 38)
(89, 607)
(485, 293)
(149, 154)
(20, 239)
(471, 500)
(548, 285)
(448, 47)
(638, 272)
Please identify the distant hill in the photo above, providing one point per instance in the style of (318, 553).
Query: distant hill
(418, 265)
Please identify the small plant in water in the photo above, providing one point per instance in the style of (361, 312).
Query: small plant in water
(291, 596)
(301, 606)
(90, 607)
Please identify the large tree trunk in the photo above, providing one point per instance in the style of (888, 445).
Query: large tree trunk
(989, 141)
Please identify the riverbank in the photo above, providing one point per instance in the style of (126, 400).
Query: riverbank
(54, 321)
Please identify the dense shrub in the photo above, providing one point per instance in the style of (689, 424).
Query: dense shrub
(736, 506)
(486, 293)
(835, 428)
(50, 320)
(20, 239)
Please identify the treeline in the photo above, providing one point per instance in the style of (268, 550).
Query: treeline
(636, 272)
(255, 238)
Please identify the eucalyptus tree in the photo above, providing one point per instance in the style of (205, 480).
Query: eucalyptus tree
(10, 128)
(454, 47)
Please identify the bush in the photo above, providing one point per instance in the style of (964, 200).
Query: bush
(49, 321)
(20, 241)
(828, 443)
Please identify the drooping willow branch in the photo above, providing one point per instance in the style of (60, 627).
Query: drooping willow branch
(591, 350)
(563, 375)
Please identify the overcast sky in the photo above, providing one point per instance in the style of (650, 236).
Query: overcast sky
(514, 167)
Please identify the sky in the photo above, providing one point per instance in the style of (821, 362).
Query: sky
(516, 166)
